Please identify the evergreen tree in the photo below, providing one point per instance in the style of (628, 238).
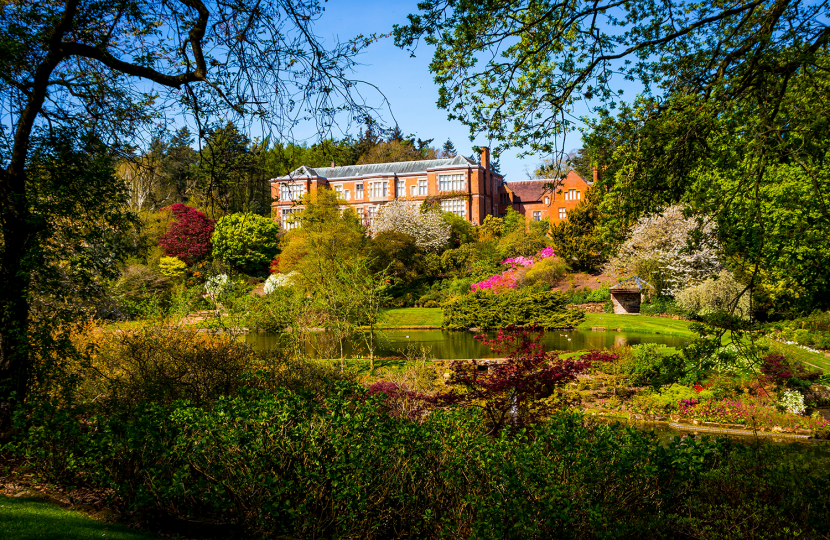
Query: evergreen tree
(448, 150)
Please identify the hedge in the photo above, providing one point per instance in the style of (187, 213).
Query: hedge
(484, 309)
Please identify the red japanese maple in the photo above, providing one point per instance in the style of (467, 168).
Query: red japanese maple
(504, 390)
(189, 236)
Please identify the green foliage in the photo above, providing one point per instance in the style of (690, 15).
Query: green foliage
(398, 254)
(521, 242)
(246, 241)
(524, 307)
(461, 231)
(577, 239)
(172, 267)
(648, 366)
(660, 305)
(335, 464)
(550, 270)
(140, 284)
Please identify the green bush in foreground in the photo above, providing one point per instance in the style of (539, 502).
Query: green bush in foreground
(246, 241)
(289, 464)
(523, 307)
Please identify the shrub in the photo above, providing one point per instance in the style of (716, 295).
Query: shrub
(715, 294)
(246, 241)
(164, 363)
(550, 270)
(336, 464)
(140, 284)
(172, 267)
(649, 367)
(517, 307)
(793, 402)
(278, 280)
(189, 236)
(218, 286)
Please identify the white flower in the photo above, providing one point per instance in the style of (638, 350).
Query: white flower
(430, 231)
(793, 401)
(278, 280)
(217, 285)
(665, 239)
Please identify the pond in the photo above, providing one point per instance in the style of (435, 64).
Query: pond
(452, 345)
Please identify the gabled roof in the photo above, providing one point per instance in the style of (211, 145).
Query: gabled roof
(528, 190)
(378, 169)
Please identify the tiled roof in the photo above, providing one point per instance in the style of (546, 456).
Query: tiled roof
(378, 169)
(528, 190)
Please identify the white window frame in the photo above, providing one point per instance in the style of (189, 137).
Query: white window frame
(400, 188)
(423, 188)
(456, 206)
(413, 190)
(358, 191)
(537, 215)
(288, 225)
(339, 190)
(291, 191)
(547, 200)
(451, 182)
(563, 214)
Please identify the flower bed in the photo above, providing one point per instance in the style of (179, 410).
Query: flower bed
(749, 413)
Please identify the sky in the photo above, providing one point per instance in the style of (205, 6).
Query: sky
(406, 82)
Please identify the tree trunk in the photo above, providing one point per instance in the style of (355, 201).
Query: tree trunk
(15, 367)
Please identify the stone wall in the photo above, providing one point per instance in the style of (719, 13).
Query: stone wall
(624, 302)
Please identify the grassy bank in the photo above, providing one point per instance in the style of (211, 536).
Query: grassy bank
(792, 351)
(414, 317)
(411, 317)
(33, 519)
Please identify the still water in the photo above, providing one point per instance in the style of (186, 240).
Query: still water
(447, 345)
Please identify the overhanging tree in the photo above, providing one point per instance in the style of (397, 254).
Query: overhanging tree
(734, 100)
(113, 68)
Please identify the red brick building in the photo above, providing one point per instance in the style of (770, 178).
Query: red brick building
(464, 187)
(537, 201)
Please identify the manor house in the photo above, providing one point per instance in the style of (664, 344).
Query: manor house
(471, 190)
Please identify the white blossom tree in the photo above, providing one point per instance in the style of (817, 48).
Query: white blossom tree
(430, 231)
(670, 250)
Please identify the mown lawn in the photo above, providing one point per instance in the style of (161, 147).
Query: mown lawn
(410, 317)
(636, 323)
(33, 519)
(791, 351)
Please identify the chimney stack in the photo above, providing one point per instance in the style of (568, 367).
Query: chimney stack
(333, 164)
(485, 157)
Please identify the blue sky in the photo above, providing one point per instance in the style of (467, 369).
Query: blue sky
(407, 82)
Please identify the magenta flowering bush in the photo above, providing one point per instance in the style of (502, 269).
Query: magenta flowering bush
(498, 282)
(508, 278)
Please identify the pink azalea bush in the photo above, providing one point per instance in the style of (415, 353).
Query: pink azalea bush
(508, 278)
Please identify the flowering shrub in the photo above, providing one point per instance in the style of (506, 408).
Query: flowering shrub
(278, 280)
(661, 243)
(793, 401)
(216, 286)
(430, 231)
(189, 236)
(498, 282)
(509, 278)
(699, 387)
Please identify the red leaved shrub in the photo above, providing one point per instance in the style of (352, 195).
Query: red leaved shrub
(189, 236)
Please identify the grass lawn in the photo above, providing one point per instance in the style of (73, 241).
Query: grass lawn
(33, 519)
(791, 351)
(636, 323)
(410, 317)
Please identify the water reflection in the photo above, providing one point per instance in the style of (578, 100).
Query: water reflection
(453, 345)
